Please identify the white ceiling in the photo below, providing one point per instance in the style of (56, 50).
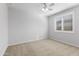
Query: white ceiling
(58, 7)
(37, 7)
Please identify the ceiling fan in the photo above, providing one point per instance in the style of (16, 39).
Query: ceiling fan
(47, 6)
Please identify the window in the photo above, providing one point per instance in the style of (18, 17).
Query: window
(59, 24)
(64, 23)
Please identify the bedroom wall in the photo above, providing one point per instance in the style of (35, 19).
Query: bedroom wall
(65, 37)
(25, 24)
(3, 28)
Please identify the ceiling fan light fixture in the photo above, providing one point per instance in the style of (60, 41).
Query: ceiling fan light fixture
(45, 9)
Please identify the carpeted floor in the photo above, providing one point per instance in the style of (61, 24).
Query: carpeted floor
(42, 48)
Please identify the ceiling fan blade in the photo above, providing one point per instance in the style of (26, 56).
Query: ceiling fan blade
(45, 5)
(51, 4)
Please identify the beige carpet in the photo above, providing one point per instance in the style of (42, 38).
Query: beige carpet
(42, 48)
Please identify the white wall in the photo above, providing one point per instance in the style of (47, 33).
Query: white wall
(3, 28)
(25, 24)
(69, 38)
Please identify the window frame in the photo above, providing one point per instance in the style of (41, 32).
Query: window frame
(61, 16)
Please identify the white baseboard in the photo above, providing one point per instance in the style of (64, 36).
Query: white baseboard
(4, 50)
(65, 42)
(23, 42)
